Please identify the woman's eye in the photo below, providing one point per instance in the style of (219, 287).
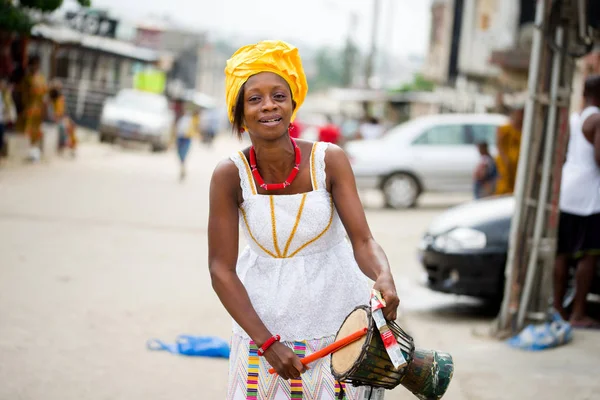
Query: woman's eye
(279, 96)
(253, 99)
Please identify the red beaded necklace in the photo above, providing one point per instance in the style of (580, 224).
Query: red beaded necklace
(276, 186)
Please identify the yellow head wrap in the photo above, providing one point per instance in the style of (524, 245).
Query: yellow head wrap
(266, 56)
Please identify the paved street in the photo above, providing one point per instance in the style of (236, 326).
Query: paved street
(101, 253)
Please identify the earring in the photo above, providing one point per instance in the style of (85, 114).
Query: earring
(291, 129)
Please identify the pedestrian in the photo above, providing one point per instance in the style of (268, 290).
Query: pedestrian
(187, 128)
(330, 132)
(370, 129)
(579, 224)
(485, 174)
(67, 138)
(298, 278)
(34, 99)
(209, 123)
(7, 112)
(508, 142)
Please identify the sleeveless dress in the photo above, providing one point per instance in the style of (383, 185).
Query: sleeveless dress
(302, 279)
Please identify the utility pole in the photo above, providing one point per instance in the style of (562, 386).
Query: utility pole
(350, 51)
(373, 52)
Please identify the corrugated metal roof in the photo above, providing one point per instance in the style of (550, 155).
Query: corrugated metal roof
(65, 35)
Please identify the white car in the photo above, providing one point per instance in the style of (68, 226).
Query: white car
(435, 153)
(138, 116)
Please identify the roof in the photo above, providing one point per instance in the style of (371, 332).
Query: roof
(65, 35)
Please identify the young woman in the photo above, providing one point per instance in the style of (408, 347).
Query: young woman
(296, 201)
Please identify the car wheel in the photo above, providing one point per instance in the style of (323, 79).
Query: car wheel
(401, 190)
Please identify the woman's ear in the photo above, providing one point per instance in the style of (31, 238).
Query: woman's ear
(294, 105)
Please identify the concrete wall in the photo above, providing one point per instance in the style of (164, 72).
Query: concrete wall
(438, 56)
(487, 25)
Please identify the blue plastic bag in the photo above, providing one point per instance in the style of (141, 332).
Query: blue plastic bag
(194, 346)
(552, 334)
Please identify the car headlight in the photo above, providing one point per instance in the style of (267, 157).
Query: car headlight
(460, 239)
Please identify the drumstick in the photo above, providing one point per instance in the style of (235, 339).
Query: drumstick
(332, 348)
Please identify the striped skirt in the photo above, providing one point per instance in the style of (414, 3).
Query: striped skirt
(249, 378)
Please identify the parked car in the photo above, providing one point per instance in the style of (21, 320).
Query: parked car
(464, 249)
(138, 116)
(433, 153)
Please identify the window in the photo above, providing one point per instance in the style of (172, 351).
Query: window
(442, 135)
(481, 133)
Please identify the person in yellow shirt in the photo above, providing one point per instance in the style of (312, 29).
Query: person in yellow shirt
(508, 142)
(187, 128)
(34, 97)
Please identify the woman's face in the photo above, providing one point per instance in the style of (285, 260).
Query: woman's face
(268, 105)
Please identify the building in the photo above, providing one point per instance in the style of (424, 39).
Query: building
(91, 68)
(467, 40)
(183, 46)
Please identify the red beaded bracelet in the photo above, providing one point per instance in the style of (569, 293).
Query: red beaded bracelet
(267, 344)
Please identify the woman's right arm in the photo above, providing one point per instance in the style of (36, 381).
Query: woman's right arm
(223, 241)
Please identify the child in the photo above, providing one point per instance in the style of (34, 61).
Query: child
(485, 174)
(66, 128)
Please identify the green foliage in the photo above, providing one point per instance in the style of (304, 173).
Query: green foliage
(419, 84)
(16, 18)
(41, 5)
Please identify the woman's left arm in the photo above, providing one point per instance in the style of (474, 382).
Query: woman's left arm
(368, 254)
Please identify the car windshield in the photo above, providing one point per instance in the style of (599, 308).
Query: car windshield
(400, 131)
(141, 101)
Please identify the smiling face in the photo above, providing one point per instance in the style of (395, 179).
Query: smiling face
(268, 105)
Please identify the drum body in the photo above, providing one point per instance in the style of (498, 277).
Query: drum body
(366, 362)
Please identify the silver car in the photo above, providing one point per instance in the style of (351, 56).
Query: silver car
(435, 153)
(137, 116)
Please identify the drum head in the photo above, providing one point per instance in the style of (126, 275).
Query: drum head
(343, 360)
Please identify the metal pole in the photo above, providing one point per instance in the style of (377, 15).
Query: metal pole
(515, 227)
(533, 265)
(374, 29)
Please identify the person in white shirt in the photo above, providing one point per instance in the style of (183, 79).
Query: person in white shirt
(371, 129)
(579, 226)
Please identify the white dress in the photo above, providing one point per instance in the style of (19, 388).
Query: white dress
(302, 279)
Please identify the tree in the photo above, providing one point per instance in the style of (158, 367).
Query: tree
(20, 17)
(330, 71)
(419, 84)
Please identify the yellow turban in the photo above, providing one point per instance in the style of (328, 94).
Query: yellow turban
(266, 56)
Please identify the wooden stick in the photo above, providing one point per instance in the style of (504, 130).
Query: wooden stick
(332, 348)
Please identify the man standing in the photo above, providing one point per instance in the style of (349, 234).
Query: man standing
(579, 227)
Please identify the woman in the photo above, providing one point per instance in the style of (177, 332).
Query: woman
(34, 96)
(295, 201)
(509, 143)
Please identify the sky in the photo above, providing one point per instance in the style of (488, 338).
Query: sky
(403, 24)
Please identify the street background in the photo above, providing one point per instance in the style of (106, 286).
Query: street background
(102, 253)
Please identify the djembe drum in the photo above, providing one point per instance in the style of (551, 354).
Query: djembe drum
(365, 362)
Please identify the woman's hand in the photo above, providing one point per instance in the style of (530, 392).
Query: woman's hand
(386, 286)
(286, 363)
